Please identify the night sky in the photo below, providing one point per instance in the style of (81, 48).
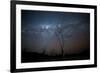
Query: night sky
(50, 32)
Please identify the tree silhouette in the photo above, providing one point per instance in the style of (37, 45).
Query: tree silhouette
(59, 33)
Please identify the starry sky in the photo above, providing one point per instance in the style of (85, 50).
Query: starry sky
(51, 31)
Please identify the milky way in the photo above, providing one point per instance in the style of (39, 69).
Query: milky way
(55, 33)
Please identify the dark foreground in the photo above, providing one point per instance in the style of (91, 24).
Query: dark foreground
(36, 57)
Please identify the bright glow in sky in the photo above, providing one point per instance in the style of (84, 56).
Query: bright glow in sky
(45, 26)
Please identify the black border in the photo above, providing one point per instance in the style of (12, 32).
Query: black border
(13, 36)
